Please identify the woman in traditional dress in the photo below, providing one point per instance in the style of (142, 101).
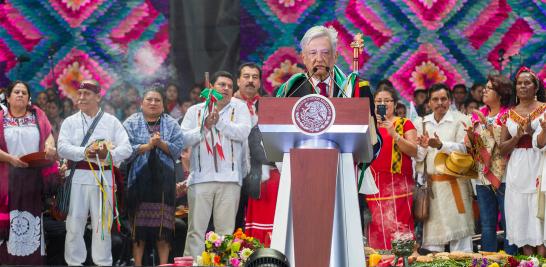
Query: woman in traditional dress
(485, 137)
(393, 175)
(523, 228)
(157, 142)
(25, 129)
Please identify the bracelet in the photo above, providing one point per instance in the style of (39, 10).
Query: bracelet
(397, 138)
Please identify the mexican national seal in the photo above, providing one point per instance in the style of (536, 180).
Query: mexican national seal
(313, 114)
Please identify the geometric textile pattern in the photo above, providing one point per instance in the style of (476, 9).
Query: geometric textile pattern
(65, 41)
(413, 43)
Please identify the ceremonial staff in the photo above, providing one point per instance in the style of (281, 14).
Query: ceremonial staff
(210, 108)
(357, 44)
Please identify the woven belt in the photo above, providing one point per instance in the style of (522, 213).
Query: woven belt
(84, 165)
(525, 141)
(455, 189)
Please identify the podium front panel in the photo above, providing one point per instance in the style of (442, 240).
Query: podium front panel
(350, 130)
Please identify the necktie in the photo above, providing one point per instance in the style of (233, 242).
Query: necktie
(250, 102)
(322, 86)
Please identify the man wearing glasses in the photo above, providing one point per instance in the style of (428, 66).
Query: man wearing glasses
(319, 54)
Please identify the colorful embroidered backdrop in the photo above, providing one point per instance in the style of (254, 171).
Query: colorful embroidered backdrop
(107, 40)
(414, 43)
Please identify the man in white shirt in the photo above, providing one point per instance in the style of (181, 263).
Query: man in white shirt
(215, 174)
(450, 211)
(91, 194)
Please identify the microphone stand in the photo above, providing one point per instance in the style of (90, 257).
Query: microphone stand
(510, 64)
(306, 80)
(52, 66)
(500, 60)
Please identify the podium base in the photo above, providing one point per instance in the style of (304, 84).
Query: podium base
(346, 246)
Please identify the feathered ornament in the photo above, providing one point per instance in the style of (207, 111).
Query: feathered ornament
(211, 98)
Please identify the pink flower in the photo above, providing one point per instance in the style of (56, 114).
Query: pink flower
(235, 262)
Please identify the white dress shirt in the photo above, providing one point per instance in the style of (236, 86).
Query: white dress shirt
(451, 132)
(108, 128)
(234, 127)
(326, 81)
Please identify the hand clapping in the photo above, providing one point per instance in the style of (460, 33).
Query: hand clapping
(212, 119)
(543, 122)
(425, 141)
(155, 139)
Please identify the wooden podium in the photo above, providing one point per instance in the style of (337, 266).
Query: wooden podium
(317, 217)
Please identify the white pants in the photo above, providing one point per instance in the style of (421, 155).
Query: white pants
(204, 199)
(463, 244)
(85, 199)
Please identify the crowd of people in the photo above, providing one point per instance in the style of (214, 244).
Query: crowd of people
(484, 144)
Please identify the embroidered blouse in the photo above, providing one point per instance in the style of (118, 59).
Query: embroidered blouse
(21, 134)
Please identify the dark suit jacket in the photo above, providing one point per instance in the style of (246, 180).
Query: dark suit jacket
(303, 87)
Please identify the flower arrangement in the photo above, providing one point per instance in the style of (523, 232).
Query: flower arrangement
(233, 250)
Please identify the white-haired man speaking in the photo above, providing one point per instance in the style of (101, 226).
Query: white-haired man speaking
(319, 54)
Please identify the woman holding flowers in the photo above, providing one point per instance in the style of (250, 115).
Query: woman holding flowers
(157, 142)
(523, 228)
(392, 173)
(483, 138)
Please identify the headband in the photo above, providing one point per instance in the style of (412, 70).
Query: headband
(90, 86)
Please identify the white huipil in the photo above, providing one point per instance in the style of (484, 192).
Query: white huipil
(520, 199)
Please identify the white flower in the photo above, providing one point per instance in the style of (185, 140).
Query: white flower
(245, 253)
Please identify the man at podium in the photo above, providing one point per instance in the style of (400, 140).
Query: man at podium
(319, 54)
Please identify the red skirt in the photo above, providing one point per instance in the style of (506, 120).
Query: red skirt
(260, 213)
(390, 209)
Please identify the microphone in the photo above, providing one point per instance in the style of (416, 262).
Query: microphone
(306, 80)
(338, 86)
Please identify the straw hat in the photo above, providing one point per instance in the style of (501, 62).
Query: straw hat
(456, 164)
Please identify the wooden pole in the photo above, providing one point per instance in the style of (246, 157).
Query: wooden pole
(208, 85)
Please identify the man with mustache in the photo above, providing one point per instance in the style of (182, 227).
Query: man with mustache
(249, 83)
(450, 212)
(88, 190)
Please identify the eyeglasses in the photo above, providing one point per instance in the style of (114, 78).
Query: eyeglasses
(384, 101)
(314, 53)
